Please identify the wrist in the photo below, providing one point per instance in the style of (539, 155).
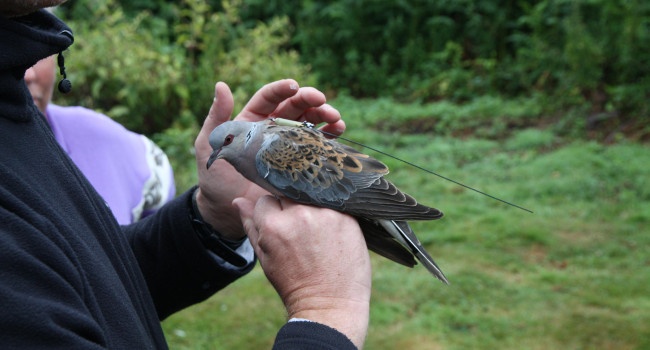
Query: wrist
(348, 317)
(228, 222)
(212, 239)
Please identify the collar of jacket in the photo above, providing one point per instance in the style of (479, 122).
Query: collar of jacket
(23, 42)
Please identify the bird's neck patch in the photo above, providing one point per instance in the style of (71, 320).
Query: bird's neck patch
(249, 135)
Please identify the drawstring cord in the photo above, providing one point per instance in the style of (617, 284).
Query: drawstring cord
(65, 85)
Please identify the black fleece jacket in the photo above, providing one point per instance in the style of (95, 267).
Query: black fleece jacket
(70, 276)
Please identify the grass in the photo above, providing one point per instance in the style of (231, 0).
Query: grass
(573, 275)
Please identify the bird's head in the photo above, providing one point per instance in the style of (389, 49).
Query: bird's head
(229, 139)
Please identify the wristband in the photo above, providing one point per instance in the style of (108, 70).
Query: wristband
(213, 241)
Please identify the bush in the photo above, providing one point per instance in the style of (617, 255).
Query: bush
(221, 47)
(586, 58)
(131, 75)
(589, 53)
(146, 76)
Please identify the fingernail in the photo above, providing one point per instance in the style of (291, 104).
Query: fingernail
(340, 127)
(293, 86)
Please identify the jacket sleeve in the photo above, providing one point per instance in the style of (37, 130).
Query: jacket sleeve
(311, 335)
(178, 268)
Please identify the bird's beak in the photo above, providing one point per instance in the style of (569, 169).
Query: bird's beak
(214, 156)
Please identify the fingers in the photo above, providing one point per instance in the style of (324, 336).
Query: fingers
(246, 209)
(253, 214)
(337, 128)
(267, 99)
(306, 101)
(322, 114)
(309, 105)
(285, 99)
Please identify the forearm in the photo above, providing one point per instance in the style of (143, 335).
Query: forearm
(176, 264)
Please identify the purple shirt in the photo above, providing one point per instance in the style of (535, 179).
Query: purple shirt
(129, 171)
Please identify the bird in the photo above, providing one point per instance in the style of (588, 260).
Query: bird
(300, 163)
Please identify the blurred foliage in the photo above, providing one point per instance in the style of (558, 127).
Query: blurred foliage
(147, 75)
(131, 75)
(585, 58)
(588, 50)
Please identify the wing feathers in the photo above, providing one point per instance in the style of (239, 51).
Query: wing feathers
(311, 169)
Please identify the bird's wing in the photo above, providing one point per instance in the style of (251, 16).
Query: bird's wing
(309, 168)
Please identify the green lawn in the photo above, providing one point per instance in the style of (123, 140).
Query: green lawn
(572, 275)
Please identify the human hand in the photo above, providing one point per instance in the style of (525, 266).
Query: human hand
(315, 258)
(219, 185)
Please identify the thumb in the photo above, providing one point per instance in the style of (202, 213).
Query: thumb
(222, 106)
(220, 111)
(246, 210)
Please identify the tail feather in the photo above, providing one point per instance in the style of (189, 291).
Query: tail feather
(381, 242)
(405, 235)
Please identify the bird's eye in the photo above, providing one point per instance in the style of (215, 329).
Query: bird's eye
(228, 140)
